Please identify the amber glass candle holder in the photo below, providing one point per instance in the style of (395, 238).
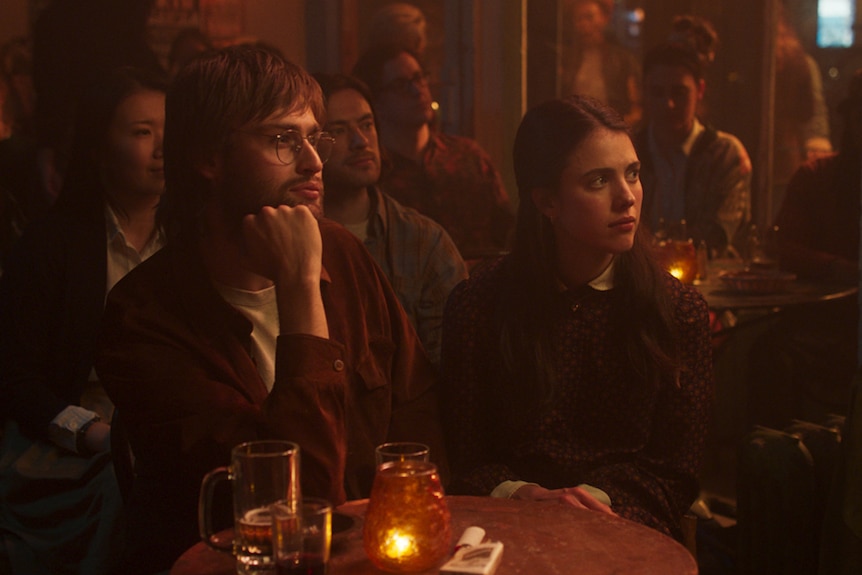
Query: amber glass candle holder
(679, 258)
(407, 520)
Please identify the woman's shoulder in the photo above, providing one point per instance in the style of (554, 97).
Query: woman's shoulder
(688, 303)
(482, 285)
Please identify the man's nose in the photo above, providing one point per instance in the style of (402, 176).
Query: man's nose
(358, 140)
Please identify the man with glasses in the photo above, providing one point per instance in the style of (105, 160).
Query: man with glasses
(414, 251)
(448, 178)
(259, 320)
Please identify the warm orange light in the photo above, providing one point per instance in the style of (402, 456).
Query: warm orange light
(680, 259)
(398, 545)
(407, 521)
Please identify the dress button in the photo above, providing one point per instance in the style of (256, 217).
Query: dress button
(575, 307)
(338, 365)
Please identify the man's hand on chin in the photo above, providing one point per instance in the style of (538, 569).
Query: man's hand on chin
(283, 243)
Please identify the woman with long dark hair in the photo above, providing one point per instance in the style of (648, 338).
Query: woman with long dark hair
(575, 367)
(61, 499)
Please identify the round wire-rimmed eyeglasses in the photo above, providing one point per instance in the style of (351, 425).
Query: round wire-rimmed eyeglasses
(288, 144)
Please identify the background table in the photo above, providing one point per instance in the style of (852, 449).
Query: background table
(798, 292)
(539, 537)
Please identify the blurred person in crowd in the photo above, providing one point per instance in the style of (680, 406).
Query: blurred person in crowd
(259, 319)
(802, 120)
(691, 171)
(448, 178)
(596, 65)
(803, 366)
(699, 35)
(20, 198)
(61, 499)
(576, 368)
(188, 43)
(414, 251)
(399, 23)
(405, 24)
(75, 43)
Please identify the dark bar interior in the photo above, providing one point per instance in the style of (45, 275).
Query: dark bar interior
(775, 91)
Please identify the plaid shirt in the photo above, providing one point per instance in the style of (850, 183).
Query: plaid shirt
(420, 260)
(456, 185)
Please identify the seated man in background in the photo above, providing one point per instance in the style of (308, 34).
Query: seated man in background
(415, 252)
(803, 366)
(258, 320)
(689, 171)
(448, 178)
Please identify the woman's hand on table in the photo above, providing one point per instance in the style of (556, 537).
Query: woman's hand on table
(574, 496)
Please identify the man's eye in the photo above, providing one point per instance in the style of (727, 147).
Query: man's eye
(337, 132)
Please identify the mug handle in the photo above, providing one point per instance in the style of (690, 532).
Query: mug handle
(205, 508)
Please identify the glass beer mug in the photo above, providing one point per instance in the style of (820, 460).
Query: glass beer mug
(407, 520)
(262, 473)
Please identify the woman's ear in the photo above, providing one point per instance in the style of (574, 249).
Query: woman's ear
(545, 201)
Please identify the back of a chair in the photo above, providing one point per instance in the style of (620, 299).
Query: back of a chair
(784, 479)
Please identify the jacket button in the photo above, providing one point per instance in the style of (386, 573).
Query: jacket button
(338, 365)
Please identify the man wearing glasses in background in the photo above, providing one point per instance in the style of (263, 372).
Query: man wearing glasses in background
(259, 320)
(414, 251)
(448, 178)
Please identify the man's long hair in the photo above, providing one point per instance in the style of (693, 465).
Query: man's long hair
(211, 98)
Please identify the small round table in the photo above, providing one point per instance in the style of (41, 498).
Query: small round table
(538, 537)
(797, 292)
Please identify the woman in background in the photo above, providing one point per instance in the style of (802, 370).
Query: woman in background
(55, 455)
(575, 367)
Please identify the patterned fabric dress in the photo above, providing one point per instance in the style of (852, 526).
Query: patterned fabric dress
(606, 426)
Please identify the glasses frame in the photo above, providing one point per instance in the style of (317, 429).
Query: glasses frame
(291, 142)
(403, 85)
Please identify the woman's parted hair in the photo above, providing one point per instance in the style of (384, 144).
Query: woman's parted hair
(212, 97)
(546, 138)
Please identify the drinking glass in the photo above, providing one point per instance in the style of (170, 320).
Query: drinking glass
(301, 537)
(400, 451)
(261, 473)
(407, 521)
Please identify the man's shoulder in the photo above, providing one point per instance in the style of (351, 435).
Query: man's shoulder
(407, 218)
(484, 284)
(343, 250)
(454, 145)
(720, 144)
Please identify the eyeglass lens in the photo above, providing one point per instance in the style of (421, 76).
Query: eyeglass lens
(404, 84)
(289, 145)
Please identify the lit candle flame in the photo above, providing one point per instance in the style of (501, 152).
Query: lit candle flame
(398, 545)
(676, 271)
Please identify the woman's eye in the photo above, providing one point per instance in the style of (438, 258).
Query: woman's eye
(366, 126)
(633, 176)
(142, 132)
(598, 182)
